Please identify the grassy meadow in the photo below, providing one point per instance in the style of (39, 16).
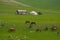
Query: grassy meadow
(9, 19)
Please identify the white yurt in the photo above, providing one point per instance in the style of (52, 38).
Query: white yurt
(33, 13)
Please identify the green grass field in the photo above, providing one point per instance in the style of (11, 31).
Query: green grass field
(9, 18)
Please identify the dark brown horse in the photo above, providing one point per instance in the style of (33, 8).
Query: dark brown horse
(54, 27)
(38, 30)
(33, 22)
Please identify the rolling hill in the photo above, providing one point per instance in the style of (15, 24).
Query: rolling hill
(10, 6)
(43, 4)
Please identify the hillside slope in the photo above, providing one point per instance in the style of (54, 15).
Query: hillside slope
(10, 6)
(43, 4)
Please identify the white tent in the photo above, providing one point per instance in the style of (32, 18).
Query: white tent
(21, 11)
(33, 13)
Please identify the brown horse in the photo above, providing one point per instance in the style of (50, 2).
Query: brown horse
(12, 29)
(54, 27)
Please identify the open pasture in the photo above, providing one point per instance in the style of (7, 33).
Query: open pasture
(9, 19)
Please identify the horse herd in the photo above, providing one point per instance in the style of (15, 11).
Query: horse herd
(53, 28)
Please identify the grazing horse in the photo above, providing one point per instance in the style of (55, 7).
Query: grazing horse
(46, 28)
(54, 27)
(33, 22)
(58, 33)
(38, 30)
(30, 26)
(12, 29)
